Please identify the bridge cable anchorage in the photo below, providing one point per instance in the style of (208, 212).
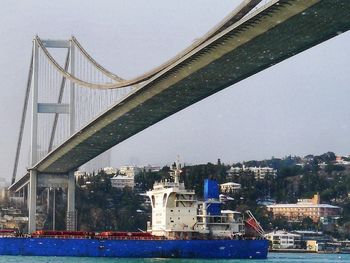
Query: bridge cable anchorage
(244, 8)
(23, 119)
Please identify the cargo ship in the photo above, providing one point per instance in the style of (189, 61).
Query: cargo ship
(181, 227)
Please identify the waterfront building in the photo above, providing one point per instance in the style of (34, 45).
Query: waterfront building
(313, 235)
(305, 208)
(283, 240)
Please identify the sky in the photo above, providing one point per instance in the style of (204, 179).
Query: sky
(297, 107)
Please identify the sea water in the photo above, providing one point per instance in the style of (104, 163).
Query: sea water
(272, 258)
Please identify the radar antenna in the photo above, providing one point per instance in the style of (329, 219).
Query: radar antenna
(175, 172)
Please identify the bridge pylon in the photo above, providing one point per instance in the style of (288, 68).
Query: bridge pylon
(50, 108)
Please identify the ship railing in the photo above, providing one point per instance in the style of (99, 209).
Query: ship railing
(129, 238)
(181, 185)
(8, 232)
(62, 236)
(185, 200)
(98, 237)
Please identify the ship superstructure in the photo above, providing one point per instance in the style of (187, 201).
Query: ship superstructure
(174, 208)
(177, 214)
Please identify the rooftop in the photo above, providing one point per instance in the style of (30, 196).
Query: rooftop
(282, 233)
(303, 205)
(230, 184)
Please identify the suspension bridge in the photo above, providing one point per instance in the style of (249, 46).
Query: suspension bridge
(79, 109)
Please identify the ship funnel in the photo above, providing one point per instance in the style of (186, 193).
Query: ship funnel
(211, 197)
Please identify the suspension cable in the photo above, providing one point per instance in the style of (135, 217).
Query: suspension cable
(59, 100)
(113, 81)
(244, 8)
(93, 62)
(23, 120)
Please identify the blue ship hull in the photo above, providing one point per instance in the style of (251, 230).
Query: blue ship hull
(234, 249)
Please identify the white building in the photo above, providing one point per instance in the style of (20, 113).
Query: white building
(110, 170)
(340, 160)
(305, 208)
(234, 171)
(129, 170)
(150, 168)
(121, 181)
(259, 172)
(79, 174)
(4, 192)
(125, 177)
(282, 240)
(229, 187)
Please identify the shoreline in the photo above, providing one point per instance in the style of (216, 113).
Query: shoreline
(286, 250)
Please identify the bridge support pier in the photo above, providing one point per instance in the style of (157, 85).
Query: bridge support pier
(32, 201)
(27, 199)
(71, 212)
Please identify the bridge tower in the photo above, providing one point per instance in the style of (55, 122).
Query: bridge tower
(50, 180)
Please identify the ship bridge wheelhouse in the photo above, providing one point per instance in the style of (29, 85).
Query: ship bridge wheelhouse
(174, 209)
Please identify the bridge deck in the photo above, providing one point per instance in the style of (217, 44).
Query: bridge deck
(270, 35)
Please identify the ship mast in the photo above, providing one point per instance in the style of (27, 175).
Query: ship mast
(176, 172)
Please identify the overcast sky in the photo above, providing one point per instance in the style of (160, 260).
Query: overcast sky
(298, 107)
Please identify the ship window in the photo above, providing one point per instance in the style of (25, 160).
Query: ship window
(172, 221)
(153, 200)
(171, 210)
(164, 199)
(178, 218)
(189, 211)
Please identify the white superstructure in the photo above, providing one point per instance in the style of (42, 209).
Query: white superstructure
(177, 214)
